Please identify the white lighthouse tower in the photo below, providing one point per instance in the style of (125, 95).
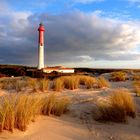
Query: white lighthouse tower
(41, 30)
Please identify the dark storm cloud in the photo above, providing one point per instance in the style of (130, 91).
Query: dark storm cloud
(79, 34)
(70, 37)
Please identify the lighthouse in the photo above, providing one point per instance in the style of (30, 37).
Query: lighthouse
(41, 30)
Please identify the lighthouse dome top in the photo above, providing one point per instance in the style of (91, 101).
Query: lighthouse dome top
(41, 27)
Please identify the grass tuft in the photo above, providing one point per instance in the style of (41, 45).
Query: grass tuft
(68, 82)
(53, 105)
(58, 84)
(38, 84)
(13, 84)
(136, 85)
(16, 111)
(117, 107)
(71, 82)
(102, 82)
(118, 76)
(43, 85)
(32, 84)
(89, 82)
(136, 77)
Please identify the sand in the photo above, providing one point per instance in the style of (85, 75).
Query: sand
(49, 128)
(78, 123)
(64, 128)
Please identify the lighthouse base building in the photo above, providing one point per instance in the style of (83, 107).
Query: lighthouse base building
(58, 69)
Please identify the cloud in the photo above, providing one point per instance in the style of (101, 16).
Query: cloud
(83, 58)
(88, 34)
(75, 37)
(87, 1)
(134, 1)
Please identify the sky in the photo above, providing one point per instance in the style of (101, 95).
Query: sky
(79, 33)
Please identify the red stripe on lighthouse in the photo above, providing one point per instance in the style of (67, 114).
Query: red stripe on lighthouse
(41, 40)
(41, 30)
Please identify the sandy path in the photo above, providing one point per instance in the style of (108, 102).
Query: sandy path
(49, 128)
(67, 128)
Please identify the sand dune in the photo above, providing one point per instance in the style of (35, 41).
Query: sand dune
(70, 128)
(78, 123)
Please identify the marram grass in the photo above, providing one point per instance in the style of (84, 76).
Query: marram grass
(74, 82)
(117, 107)
(16, 111)
(136, 85)
(59, 84)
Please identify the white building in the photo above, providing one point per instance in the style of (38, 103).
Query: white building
(59, 69)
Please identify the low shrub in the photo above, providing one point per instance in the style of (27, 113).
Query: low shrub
(118, 76)
(136, 77)
(38, 84)
(58, 84)
(136, 85)
(3, 75)
(32, 84)
(71, 82)
(102, 82)
(13, 84)
(43, 84)
(118, 106)
(89, 82)
(68, 82)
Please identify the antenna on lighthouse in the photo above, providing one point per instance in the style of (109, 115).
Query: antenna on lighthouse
(41, 30)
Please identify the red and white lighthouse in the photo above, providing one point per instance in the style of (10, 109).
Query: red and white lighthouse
(41, 30)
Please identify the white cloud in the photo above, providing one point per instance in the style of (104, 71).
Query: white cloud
(87, 1)
(133, 1)
(84, 58)
(72, 37)
(136, 2)
(15, 18)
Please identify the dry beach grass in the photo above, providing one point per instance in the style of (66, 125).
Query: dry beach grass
(16, 111)
(21, 107)
(118, 76)
(117, 107)
(59, 84)
(137, 87)
(74, 82)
